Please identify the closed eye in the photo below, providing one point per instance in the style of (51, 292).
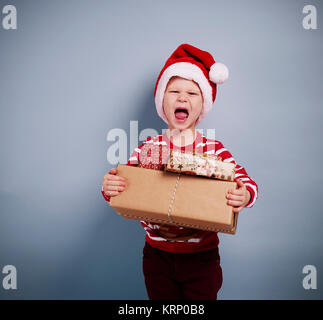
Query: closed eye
(191, 93)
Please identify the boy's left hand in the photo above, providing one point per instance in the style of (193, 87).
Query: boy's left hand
(238, 198)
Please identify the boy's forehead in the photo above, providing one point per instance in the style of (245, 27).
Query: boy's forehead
(179, 80)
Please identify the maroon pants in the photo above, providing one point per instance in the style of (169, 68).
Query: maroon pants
(181, 276)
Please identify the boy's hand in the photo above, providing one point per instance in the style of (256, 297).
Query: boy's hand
(238, 198)
(113, 184)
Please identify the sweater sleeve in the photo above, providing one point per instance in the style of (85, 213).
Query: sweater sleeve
(133, 161)
(240, 174)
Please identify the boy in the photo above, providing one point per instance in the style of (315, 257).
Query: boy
(184, 263)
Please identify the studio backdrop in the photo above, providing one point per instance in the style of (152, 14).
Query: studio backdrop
(77, 96)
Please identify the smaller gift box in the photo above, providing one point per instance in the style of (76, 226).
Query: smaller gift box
(201, 165)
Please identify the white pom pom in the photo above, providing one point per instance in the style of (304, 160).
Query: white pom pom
(219, 73)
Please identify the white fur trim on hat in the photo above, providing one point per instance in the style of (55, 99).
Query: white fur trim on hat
(218, 73)
(188, 71)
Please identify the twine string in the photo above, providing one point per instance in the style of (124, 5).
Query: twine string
(172, 199)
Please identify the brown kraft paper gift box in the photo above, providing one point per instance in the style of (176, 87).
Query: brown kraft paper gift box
(176, 199)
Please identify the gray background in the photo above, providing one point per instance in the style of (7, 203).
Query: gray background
(74, 70)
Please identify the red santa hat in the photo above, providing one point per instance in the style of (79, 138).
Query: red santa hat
(191, 63)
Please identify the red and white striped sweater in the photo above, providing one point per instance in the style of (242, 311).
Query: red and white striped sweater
(201, 240)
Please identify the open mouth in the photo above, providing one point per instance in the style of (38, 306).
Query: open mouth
(181, 114)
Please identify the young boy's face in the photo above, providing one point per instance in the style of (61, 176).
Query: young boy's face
(182, 104)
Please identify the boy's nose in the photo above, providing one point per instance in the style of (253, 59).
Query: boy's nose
(182, 98)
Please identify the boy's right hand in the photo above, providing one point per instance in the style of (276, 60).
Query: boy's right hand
(113, 184)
